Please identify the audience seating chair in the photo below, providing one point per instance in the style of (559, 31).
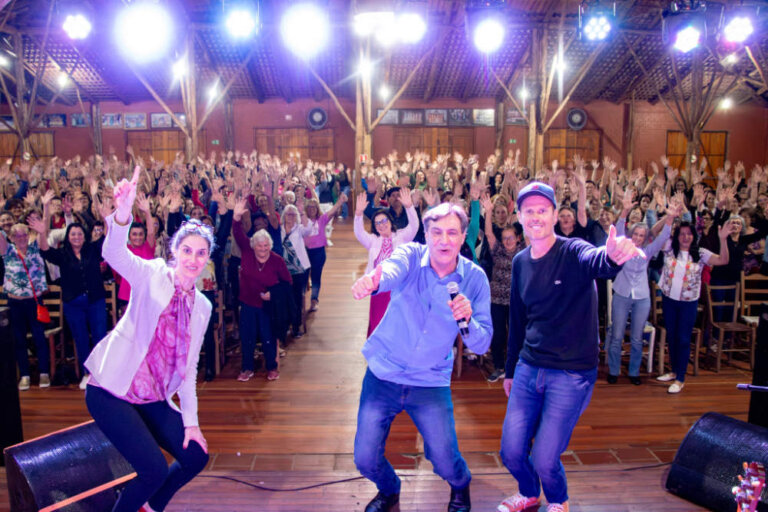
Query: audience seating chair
(658, 322)
(754, 292)
(732, 325)
(110, 289)
(54, 331)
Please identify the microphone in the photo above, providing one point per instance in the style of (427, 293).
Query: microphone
(750, 387)
(453, 290)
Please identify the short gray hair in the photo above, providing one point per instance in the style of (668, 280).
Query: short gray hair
(290, 209)
(443, 210)
(261, 236)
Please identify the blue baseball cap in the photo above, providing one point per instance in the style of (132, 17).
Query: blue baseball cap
(536, 188)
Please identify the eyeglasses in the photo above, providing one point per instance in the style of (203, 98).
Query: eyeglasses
(381, 222)
(508, 238)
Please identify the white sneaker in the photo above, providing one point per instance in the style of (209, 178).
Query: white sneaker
(667, 377)
(45, 380)
(84, 381)
(558, 507)
(24, 383)
(516, 503)
(676, 387)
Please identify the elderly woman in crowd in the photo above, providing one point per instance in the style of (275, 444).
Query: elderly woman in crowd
(294, 227)
(380, 242)
(260, 268)
(315, 242)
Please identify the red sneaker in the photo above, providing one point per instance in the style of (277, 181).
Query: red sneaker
(517, 503)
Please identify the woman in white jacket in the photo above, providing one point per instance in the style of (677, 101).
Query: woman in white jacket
(381, 242)
(149, 356)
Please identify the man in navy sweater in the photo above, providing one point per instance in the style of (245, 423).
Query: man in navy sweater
(552, 349)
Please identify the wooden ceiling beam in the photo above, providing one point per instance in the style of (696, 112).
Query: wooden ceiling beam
(434, 67)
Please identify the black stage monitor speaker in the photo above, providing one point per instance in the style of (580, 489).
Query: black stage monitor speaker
(75, 469)
(709, 460)
(758, 404)
(10, 426)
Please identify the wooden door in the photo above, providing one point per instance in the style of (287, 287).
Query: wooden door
(676, 148)
(563, 144)
(434, 140)
(714, 146)
(40, 142)
(316, 145)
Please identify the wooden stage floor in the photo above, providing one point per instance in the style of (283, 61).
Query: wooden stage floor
(300, 428)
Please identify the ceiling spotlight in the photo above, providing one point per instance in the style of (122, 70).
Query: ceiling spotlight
(180, 68)
(62, 79)
(305, 30)
(213, 91)
(411, 27)
(4, 60)
(597, 28)
(524, 94)
(144, 30)
(365, 68)
(731, 58)
(488, 35)
(738, 29)
(77, 26)
(559, 64)
(367, 23)
(240, 23)
(384, 92)
(726, 103)
(687, 39)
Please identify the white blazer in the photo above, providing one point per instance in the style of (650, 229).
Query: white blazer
(373, 242)
(296, 237)
(115, 360)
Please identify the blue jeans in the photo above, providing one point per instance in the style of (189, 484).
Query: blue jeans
(345, 206)
(317, 260)
(24, 317)
(255, 322)
(431, 410)
(544, 404)
(88, 323)
(138, 432)
(679, 319)
(620, 310)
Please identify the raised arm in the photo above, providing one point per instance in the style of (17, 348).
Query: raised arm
(488, 207)
(723, 232)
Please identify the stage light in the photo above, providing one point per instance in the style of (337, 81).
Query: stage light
(732, 58)
(305, 29)
(488, 35)
(77, 26)
(726, 103)
(144, 31)
(240, 23)
(365, 68)
(524, 94)
(384, 92)
(411, 27)
(179, 68)
(387, 35)
(687, 39)
(4, 60)
(213, 91)
(738, 29)
(597, 28)
(367, 23)
(62, 79)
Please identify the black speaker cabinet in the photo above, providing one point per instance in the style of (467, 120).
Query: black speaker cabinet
(709, 460)
(10, 426)
(758, 404)
(77, 469)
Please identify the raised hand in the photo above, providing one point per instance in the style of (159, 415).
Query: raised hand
(628, 200)
(405, 197)
(36, 224)
(361, 204)
(239, 210)
(125, 195)
(621, 249)
(431, 197)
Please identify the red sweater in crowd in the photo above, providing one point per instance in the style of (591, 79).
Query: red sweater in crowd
(255, 277)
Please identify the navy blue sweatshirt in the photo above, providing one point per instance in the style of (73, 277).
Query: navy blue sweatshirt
(553, 307)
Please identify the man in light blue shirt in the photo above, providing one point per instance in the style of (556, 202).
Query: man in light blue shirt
(410, 354)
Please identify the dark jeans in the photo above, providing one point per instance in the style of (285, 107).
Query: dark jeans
(431, 410)
(88, 323)
(317, 260)
(23, 318)
(679, 319)
(544, 404)
(138, 432)
(500, 319)
(255, 322)
(209, 342)
(299, 286)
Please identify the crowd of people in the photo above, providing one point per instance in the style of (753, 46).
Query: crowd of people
(271, 220)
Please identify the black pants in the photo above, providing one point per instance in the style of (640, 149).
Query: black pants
(500, 319)
(299, 287)
(138, 432)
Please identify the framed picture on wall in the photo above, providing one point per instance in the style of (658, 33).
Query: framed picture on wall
(7, 123)
(80, 120)
(513, 116)
(436, 117)
(53, 121)
(483, 116)
(181, 117)
(411, 116)
(459, 117)
(111, 120)
(391, 117)
(160, 120)
(136, 121)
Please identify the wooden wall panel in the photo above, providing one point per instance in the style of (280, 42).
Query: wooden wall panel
(563, 144)
(434, 140)
(714, 146)
(162, 145)
(313, 144)
(41, 143)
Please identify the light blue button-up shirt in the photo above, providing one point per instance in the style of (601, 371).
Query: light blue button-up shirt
(413, 343)
(632, 280)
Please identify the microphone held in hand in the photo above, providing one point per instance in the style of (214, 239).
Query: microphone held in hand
(453, 290)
